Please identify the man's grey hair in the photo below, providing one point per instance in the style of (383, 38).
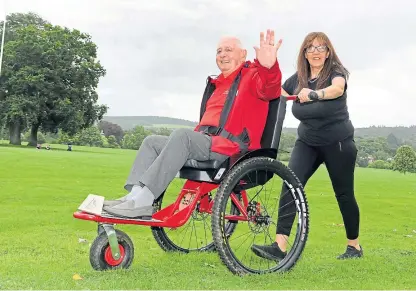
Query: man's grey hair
(237, 41)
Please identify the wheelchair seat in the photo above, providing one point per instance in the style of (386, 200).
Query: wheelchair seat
(212, 171)
(203, 165)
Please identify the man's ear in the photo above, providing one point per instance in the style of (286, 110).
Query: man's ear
(243, 55)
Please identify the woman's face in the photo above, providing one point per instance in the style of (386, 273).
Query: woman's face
(316, 54)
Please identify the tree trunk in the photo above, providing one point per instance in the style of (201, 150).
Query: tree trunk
(33, 139)
(14, 130)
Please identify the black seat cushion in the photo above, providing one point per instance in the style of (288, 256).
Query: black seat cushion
(213, 164)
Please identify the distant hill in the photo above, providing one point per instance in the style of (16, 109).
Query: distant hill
(401, 132)
(128, 122)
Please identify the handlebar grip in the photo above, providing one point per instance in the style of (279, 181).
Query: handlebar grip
(313, 96)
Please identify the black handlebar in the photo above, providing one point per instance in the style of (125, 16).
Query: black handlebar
(312, 95)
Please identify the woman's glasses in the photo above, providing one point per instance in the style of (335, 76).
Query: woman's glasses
(312, 48)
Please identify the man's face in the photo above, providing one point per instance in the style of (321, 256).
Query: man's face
(229, 55)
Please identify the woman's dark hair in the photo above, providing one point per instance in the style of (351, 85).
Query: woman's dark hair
(332, 63)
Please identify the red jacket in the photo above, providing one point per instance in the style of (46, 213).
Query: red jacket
(249, 110)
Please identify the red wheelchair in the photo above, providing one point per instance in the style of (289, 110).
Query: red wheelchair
(220, 206)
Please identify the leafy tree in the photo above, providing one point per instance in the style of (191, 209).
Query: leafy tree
(393, 142)
(105, 143)
(90, 136)
(372, 148)
(40, 138)
(50, 77)
(6, 112)
(111, 129)
(379, 164)
(287, 141)
(381, 155)
(371, 145)
(65, 138)
(164, 131)
(134, 138)
(362, 161)
(112, 142)
(405, 160)
(3, 134)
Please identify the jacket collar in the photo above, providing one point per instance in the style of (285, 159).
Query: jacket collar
(230, 78)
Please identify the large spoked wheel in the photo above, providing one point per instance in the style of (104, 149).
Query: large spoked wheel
(258, 177)
(100, 252)
(195, 235)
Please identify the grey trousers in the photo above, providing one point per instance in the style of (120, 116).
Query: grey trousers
(160, 158)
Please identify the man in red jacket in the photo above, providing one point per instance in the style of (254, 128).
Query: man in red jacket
(233, 115)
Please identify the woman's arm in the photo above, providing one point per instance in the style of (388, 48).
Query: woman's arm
(284, 93)
(334, 91)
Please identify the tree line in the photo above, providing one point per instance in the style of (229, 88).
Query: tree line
(373, 152)
(389, 152)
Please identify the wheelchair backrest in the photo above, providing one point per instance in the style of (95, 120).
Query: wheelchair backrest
(274, 123)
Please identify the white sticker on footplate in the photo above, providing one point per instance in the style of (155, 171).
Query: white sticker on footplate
(93, 204)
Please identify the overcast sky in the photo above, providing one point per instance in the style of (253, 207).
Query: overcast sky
(158, 53)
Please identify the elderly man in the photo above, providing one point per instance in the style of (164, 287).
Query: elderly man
(233, 115)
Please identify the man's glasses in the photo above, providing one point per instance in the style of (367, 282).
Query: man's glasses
(312, 48)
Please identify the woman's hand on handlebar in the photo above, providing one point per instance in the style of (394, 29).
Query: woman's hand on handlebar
(311, 96)
(303, 95)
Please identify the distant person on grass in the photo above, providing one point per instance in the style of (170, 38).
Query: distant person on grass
(325, 135)
(160, 157)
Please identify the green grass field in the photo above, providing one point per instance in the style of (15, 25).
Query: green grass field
(40, 249)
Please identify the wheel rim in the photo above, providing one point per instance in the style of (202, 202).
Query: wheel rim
(108, 257)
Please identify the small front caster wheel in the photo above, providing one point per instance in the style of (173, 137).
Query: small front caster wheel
(101, 257)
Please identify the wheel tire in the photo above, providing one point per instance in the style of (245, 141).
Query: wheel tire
(100, 252)
(232, 178)
(168, 245)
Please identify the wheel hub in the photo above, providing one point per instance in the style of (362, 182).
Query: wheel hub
(263, 220)
(257, 216)
(109, 257)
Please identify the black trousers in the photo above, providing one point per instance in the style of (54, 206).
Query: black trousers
(340, 161)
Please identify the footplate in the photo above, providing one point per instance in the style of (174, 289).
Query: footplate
(105, 214)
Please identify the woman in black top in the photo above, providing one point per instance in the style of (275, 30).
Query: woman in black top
(325, 135)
